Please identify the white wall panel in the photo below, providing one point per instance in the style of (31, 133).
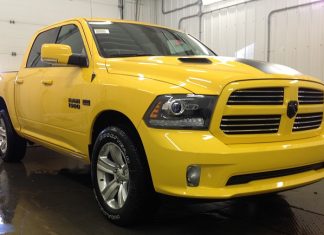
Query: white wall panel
(147, 11)
(10, 63)
(45, 12)
(30, 15)
(172, 19)
(297, 36)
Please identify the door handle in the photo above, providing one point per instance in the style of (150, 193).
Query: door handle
(47, 82)
(19, 81)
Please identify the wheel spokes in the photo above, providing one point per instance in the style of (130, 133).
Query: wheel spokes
(122, 194)
(113, 175)
(110, 190)
(3, 144)
(3, 132)
(3, 136)
(104, 150)
(106, 166)
(116, 155)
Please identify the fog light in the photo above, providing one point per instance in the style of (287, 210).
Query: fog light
(193, 175)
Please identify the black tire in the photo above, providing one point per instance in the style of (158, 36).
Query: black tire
(140, 202)
(16, 145)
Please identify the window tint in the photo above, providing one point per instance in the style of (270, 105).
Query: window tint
(70, 35)
(122, 40)
(34, 59)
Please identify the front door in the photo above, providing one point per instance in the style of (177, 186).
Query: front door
(52, 101)
(66, 95)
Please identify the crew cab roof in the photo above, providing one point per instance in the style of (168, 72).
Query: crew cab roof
(104, 19)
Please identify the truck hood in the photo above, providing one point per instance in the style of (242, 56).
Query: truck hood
(201, 75)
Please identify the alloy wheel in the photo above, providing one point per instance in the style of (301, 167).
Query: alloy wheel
(3, 136)
(113, 175)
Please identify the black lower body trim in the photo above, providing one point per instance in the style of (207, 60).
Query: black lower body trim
(244, 179)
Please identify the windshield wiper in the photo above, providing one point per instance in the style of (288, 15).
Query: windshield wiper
(130, 55)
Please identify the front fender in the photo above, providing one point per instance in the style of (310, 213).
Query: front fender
(128, 95)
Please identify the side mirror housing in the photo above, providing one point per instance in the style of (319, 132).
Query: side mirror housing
(62, 54)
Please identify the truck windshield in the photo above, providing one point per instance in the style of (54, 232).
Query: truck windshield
(116, 39)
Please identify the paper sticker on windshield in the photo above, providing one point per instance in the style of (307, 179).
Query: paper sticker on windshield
(101, 31)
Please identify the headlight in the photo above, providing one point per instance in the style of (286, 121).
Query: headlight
(181, 112)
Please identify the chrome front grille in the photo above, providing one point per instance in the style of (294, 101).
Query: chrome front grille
(307, 121)
(250, 124)
(257, 96)
(310, 96)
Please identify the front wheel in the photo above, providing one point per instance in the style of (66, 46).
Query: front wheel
(120, 178)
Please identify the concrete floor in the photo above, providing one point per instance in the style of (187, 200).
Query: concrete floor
(51, 194)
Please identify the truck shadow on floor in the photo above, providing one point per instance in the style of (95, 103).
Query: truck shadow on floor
(64, 201)
(267, 211)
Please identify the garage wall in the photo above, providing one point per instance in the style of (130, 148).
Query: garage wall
(19, 19)
(234, 28)
(171, 17)
(147, 10)
(240, 28)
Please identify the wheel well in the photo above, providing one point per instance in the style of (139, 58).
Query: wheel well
(114, 118)
(3, 104)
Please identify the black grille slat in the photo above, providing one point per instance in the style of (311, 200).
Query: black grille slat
(309, 91)
(269, 124)
(307, 121)
(310, 96)
(250, 124)
(309, 116)
(313, 101)
(257, 96)
(244, 179)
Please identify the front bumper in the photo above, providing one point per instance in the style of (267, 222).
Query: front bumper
(170, 152)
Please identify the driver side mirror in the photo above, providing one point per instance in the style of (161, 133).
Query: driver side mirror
(62, 54)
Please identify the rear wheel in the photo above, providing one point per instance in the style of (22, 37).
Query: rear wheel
(121, 180)
(12, 146)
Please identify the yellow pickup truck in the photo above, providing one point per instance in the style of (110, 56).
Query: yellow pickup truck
(153, 110)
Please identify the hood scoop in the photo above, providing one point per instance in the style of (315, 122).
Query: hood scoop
(193, 60)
